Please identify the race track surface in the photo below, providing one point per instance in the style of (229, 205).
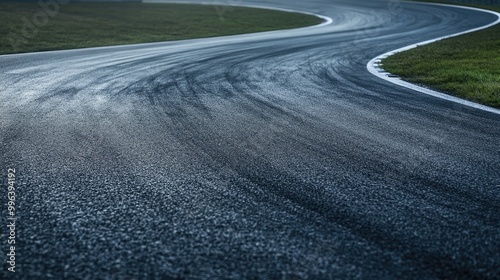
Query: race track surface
(265, 156)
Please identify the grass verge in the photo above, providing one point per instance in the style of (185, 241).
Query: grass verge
(80, 25)
(467, 66)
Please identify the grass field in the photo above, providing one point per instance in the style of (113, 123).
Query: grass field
(467, 66)
(80, 25)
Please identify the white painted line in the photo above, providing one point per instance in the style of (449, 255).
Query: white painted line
(327, 20)
(372, 67)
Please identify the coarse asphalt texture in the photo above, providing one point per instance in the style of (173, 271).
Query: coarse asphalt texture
(263, 156)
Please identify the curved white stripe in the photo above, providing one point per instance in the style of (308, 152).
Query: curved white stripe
(327, 21)
(372, 64)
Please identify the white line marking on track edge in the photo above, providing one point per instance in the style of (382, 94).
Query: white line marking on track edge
(383, 75)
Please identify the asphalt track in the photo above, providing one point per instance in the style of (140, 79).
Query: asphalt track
(263, 156)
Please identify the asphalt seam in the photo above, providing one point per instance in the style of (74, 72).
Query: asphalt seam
(374, 67)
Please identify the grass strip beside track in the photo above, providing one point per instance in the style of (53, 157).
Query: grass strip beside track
(467, 66)
(80, 25)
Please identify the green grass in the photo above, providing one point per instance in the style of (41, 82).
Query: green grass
(467, 66)
(80, 25)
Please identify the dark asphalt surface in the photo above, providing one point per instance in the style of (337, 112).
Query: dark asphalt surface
(263, 156)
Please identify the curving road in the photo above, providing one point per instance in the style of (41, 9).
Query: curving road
(271, 156)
